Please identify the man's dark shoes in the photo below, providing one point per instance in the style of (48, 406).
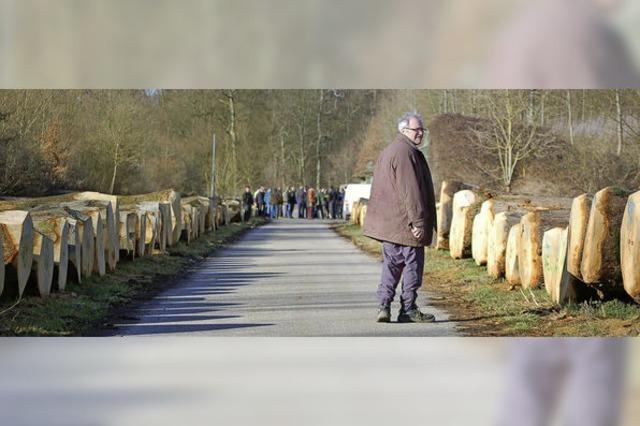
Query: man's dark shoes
(384, 314)
(414, 315)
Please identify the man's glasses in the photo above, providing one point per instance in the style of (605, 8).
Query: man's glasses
(418, 130)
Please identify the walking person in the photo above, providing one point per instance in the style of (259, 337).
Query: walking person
(291, 201)
(332, 202)
(247, 203)
(311, 203)
(402, 215)
(267, 202)
(301, 201)
(320, 203)
(259, 200)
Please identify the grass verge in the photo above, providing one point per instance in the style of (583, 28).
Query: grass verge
(483, 306)
(82, 309)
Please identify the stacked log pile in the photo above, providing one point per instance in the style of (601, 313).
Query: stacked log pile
(47, 242)
(579, 248)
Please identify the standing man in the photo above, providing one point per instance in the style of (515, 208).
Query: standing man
(291, 201)
(247, 203)
(301, 201)
(402, 215)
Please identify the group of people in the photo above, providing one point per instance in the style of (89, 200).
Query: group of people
(303, 203)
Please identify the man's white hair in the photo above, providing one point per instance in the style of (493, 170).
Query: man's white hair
(403, 122)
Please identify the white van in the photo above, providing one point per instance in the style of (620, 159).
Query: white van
(352, 193)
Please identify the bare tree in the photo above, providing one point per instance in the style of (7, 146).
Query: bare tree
(507, 139)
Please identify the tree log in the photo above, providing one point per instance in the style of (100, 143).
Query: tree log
(154, 236)
(578, 221)
(56, 227)
(205, 210)
(601, 255)
(170, 197)
(97, 212)
(497, 244)
(16, 228)
(112, 215)
(554, 257)
(481, 230)
(630, 247)
(93, 199)
(511, 267)
(187, 218)
(444, 211)
(42, 262)
(534, 225)
(466, 204)
(128, 226)
(84, 228)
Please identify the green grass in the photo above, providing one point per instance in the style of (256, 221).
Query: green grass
(85, 307)
(485, 306)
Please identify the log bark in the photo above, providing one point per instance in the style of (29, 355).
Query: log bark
(534, 225)
(466, 204)
(128, 226)
(56, 227)
(601, 255)
(205, 210)
(511, 268)
(155, 240)
(482, 225)
(166, 223)
(363, 215)
(444, 211)
(170, 197)
(16, 228)
(97, 212)
(187, 218)
(42, 263)
(112, 215)
(630, 247)
(94, 199)
(578, 221)
(84, 228)
(554, 256)
(497, 244)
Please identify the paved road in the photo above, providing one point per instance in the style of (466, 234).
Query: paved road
(287, 278)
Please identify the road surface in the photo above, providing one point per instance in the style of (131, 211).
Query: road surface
(286, 278)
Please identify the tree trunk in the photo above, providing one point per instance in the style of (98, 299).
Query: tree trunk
(319, 140)
(55, 227)
(533, 227)
(630, 247)
(84, 228)
(620, 128)
(497, 244)
(445, 211)
(42, 263)
(511, 267)
(570, 119)
(554, 255)
(115, 169)
(95, 211)
(128, 228)
(172, 224)
(601, 255)
(482, 225)
(466, 203)
(578, 220)
(16, 228)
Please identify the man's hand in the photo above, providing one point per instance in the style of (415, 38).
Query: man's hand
(417, 232)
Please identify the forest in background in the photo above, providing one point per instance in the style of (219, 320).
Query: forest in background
(134, 141)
